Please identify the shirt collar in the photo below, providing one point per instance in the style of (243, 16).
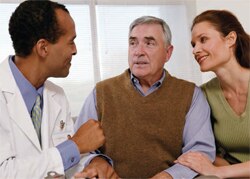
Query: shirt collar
(158, 83)
(28, 91)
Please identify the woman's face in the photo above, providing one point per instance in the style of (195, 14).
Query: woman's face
(210, 48)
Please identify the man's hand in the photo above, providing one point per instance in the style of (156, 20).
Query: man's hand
(98, 168)
(162, 175)
(89, 136)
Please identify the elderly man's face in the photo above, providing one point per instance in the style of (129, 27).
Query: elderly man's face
(147, 52)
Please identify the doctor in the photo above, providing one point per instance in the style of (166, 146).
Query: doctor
(35, 123)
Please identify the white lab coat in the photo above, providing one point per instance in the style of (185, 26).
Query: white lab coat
(20, 153)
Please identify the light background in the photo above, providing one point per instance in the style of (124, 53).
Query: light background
(102, 31)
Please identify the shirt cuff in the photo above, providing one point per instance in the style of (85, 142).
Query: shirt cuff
(69, 153)
(178, 171)
(98, 154)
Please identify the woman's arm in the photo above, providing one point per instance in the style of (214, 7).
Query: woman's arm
(220, 162)
(202, 164)
(235, 170)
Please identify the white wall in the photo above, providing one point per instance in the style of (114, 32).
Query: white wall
(182, 67)
(241, 8)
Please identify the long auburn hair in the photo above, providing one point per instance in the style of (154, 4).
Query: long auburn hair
(226, 22)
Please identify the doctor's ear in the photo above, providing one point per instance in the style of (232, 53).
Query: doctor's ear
(42, 47)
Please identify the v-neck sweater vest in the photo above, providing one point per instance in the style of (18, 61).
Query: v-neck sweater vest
(143, 133)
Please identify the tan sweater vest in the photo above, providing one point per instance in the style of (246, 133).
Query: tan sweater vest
(143, 134)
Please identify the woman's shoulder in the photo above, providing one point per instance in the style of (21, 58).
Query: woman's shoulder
(211, 88)
(210, 85)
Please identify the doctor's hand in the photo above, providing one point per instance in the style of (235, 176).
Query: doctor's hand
(98, 168)
(89, 136)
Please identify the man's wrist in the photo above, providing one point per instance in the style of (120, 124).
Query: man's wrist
(101, 157)
(69, 153)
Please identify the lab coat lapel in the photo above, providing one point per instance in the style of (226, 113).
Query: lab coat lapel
(18, 113)
(51, 110)
(16, 106)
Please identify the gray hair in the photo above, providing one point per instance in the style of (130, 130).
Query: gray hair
(153, 20)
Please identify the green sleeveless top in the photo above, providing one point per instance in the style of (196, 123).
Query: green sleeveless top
(232, 132)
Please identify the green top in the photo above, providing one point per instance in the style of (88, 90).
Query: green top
(232, 131)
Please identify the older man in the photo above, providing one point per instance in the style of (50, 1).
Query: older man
(149, 117)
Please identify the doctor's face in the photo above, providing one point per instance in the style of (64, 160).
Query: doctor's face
(62, 51)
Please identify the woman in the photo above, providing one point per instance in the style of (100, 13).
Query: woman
(221, 45)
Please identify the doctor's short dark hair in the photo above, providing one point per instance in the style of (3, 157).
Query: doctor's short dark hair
(34, 20)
